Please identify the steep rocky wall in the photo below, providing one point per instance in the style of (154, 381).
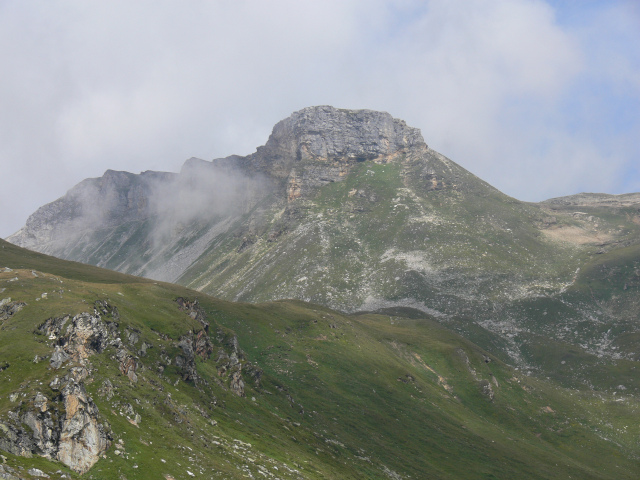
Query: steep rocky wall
(326, 133)
(95, 203)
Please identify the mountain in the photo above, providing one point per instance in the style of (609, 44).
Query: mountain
(105, 375)
(352, 210)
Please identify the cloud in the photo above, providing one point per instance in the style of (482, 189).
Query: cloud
(204, 192)
(531, 96)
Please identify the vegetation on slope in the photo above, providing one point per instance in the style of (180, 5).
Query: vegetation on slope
(326, 395)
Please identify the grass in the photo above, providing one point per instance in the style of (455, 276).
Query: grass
(358, 396)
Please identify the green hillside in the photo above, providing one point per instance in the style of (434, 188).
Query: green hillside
(288, 389)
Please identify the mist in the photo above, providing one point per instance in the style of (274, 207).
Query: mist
(203, 192)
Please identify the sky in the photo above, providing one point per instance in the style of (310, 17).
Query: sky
(539, 98)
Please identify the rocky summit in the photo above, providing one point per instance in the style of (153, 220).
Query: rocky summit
(350, 209)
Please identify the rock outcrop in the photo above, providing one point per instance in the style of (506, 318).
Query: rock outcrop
(334, 138)
(193, 345)
(82, 437)
(319, 145)
(83, 335)
(9, 308)
(63, 425)
(230, 359)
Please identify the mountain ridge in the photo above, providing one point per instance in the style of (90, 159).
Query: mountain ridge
(352, 210)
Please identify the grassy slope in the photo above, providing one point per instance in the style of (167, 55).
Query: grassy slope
(505, 278)
(383, 234)
(359, 396)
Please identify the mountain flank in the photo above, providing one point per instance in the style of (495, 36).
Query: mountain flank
(352, 210)
(104, 376)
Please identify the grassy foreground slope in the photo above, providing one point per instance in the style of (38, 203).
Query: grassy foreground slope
(324, 395)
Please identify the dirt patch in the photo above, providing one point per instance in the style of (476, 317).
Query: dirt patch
(576, 235)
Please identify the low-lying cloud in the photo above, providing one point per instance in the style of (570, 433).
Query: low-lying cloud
(202, 193)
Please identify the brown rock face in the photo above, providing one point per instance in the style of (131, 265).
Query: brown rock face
(82, 437)
(128, 365)
(293, 188)
(67, 426)
(67, 429)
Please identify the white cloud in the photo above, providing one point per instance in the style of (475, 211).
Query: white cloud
(501, 86)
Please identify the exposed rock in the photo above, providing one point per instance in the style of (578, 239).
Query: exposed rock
(123, 197)
(333, 139)
(65, 426)
(132, 337)
(486, 389)
(237, 384)
(55, 384)
(79, 337)
(67, 429)
(193, 346)
(293, 187)
(9, 308)
(128, 364)
(40, 402)
(58, 357)
(194, 310)
(82, 438)
(143, 348)
(8, 473)
(35, 472)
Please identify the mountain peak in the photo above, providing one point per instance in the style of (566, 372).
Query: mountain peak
(325, 132)
(335, 138)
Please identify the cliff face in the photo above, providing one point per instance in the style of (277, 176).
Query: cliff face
(333, 139)
(108, 201)
(319, 145)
